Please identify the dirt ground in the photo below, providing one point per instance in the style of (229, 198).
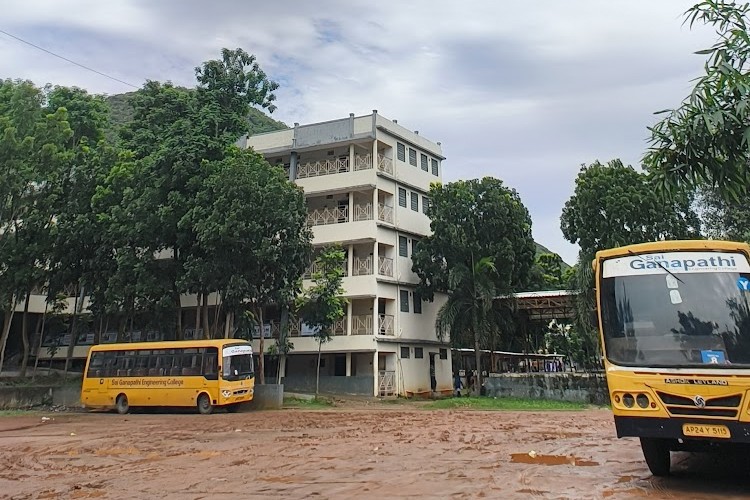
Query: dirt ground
(373, 450)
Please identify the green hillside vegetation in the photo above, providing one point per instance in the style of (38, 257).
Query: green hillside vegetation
(541, 249)
(121, 112)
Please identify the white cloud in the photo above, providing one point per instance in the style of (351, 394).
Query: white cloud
(525, 92)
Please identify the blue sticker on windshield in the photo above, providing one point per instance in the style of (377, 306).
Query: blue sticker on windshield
(713, 357)
(743, 283)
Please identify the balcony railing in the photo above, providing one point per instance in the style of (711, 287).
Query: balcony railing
(385, 213)
(315, 267)
(333, 166)
(385, 164)
(324, 216)
(385, 266)
(362, 325)
(362, 267)
(363, 162)
(385, 326)
(323, 167)
(296, 328)
(363, 212)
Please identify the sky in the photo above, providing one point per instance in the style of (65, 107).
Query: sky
(523, 91)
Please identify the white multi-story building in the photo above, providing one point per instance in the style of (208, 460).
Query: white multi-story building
(366, 181)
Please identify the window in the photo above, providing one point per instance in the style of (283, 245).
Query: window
(443, 353)
(402, 197)
(412, 156)
(423, 162)
(435, 169)
(418, 353)
(401, 151)
(404, 295)
(403, 246)
(415, 201)
(404, 352)
(417, 303)
(425, 204)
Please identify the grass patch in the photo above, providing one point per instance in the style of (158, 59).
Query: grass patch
(17, 413)
(310, 404)
(484, 403)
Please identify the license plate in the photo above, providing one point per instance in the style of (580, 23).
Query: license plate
(706, 430)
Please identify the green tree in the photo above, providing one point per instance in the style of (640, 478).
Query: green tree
(321, 305)
(32, 152)
(705, 141)
(481, 245)
(613, 205)
(250, 225)
(721, 218)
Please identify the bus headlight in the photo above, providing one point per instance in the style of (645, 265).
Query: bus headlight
(628, 400)
(642, 400)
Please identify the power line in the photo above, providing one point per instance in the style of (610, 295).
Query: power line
(68, 60)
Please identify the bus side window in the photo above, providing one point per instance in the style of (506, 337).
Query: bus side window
(95, 365)
(109, 363)
(211, 363)
(177, 363)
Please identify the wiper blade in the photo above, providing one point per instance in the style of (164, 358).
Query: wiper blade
(658, 264)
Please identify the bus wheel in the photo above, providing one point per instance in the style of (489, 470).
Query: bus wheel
(122, 404)
(656, 453)
(204, 404)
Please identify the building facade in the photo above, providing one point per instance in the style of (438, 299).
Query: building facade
(366, 181)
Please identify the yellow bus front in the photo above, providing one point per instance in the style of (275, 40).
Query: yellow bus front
(675, 329)
(237, 384)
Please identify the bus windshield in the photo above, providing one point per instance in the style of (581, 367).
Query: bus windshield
(238, 362)
(678, 309)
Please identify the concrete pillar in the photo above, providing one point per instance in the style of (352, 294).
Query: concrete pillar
(351, 157)
(376, 373)
(350, 260)
(375, 259)
(375, 317)
(348, 364)
(351, 206)
(349, 318)
(375, 154)
(293, 166)
(375, 210)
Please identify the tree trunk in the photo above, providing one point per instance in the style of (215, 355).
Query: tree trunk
(317, 372)
(228, 325)
(73, 324)
(217, 312)
(198, 307)
(121, 324)
(206, 333)
(282, 342)
(7, 320)
(179, 333)
(261, 347)
(41, 338)
(25, 336)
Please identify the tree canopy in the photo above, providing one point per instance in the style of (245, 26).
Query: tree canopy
(614, 205)
(706, 140)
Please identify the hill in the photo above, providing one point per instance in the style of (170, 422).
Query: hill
(540, 249)
(121, 113)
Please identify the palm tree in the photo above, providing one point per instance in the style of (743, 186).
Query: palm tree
(471, 291)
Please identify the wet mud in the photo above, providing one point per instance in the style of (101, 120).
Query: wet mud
(382, 451)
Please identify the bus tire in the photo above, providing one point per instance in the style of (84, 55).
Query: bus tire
(204, 404)
(656, 453)
(121, 404)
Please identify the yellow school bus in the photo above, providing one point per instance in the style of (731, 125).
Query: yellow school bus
(675, 330)
(202, 374)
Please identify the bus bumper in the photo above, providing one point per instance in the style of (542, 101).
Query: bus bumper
(671, 428)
